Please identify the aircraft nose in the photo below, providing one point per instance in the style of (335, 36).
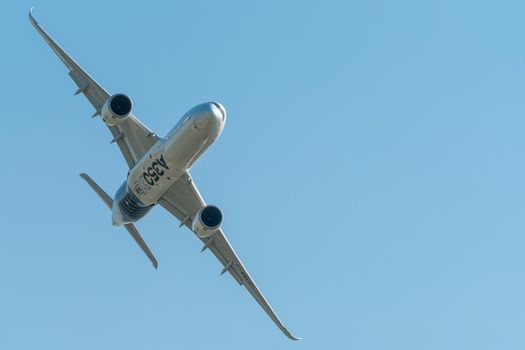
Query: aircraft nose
(201, 121)
(221, 109)
(210, 113)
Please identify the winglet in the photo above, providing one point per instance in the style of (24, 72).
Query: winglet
(290, 335)
(31, 18)
(64, 57)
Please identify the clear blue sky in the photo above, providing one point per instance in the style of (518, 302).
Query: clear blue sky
(371, 173)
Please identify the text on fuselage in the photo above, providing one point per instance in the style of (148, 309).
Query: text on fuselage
(155, 171)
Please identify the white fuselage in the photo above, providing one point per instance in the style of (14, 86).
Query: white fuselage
(169, 158)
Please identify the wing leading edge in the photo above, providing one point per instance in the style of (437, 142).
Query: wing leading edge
(183, 200)
(133, 138)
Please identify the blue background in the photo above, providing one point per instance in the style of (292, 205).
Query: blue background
(371, 175)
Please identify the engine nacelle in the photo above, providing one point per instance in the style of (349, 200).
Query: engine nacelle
(207, 221)
(116, 109)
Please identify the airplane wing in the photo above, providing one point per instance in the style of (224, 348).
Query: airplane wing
(183, 200)
(133, 138)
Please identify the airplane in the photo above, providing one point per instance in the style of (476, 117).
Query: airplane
(159, 171)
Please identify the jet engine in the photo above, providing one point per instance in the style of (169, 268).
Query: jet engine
(116, 109)
(207, 221)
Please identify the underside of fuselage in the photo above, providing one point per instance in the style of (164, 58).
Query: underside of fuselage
(127, 208)
(166, 161)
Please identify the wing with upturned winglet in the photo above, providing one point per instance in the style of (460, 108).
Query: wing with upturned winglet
(133, 138)
(183, 200)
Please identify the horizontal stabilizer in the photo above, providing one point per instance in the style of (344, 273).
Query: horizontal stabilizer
(103, 195)
(138, 238)
(130, 227)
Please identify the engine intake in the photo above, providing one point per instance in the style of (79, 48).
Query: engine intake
(116, 109)
(207, 221)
